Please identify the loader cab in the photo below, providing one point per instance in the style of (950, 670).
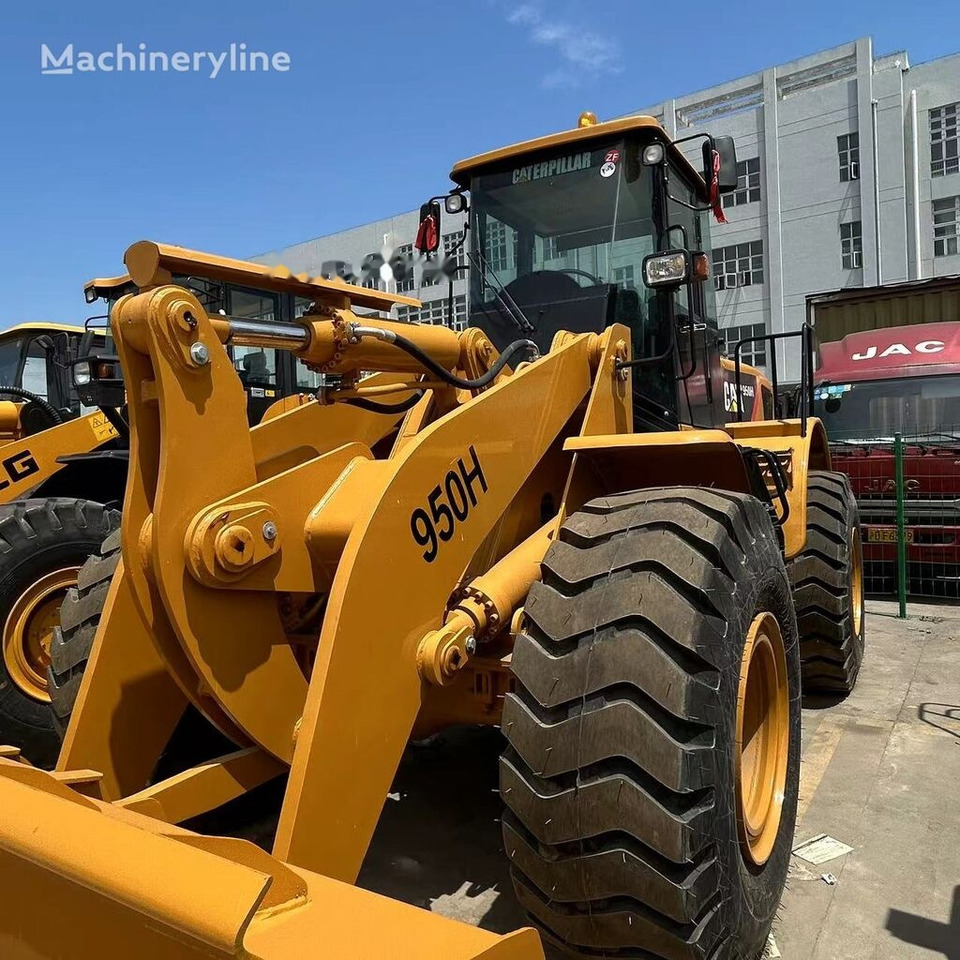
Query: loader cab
(36, 357)
(266, 374)
(561, 231)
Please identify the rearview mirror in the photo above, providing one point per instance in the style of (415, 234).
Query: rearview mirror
(428, 233)
(726, 152)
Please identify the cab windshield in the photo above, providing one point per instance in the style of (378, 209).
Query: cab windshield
(10, 351)
(924, 408)
(563, 232)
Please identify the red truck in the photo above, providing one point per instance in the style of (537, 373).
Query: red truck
(869, 386)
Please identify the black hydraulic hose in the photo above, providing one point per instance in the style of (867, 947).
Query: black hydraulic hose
(374, 407)
(445, 375)
(47, 408)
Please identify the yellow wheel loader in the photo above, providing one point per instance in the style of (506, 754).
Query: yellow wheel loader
(543, 523)
(62, 464)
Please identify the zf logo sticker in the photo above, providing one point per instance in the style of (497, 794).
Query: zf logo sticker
(450, 503)
(18, 467)
(609, 167)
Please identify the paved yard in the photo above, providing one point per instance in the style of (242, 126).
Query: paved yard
(881, 772)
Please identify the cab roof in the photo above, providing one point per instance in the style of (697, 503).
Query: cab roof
(40, 326)
(587, 133)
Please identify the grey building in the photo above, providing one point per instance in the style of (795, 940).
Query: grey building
(357, 255)
(849, 176)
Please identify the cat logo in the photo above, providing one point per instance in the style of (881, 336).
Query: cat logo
(551, 168)
(730, 396)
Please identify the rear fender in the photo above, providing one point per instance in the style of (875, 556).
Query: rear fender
(799, 452)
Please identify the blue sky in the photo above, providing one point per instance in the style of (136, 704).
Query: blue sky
(378, 103)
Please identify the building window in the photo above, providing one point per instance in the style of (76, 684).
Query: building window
(451, 241)
(748, 184)
(755, 352)
(496, 244)
(946, 216)
(372, 282)
(944, 156)
(403, 268)
(851, 245)
(739, 265)
(551, 250)
(848, 149)
(624, 277)
(435, 311)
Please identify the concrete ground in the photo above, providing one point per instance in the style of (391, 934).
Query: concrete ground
(880, 772)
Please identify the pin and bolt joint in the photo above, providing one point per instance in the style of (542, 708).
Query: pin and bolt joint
(199, 353)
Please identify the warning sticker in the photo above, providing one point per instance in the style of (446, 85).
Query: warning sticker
(102, 428)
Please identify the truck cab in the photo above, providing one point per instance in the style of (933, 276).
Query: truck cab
(872, 386)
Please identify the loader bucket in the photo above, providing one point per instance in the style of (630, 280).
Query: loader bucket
(122, 884)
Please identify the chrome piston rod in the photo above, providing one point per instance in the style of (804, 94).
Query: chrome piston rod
(267, 333)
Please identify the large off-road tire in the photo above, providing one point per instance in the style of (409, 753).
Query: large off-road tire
(635, 742)
(43, 543)
(827, 579)
(79, 616)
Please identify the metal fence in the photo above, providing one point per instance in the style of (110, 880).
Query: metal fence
(908, 490)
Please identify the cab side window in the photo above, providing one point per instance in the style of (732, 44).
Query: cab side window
(256, 366)
(36, 370)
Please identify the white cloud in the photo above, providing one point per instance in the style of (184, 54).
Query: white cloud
(582, 52)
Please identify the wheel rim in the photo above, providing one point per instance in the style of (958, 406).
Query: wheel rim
(28, 631)
(856, 580)
(763, 738)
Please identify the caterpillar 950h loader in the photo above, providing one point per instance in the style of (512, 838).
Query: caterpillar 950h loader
(538, 523)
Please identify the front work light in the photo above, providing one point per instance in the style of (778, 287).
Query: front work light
(668, 269)
(81, 373)
(652, 154)
(455, 203)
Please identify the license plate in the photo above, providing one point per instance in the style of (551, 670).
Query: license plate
(887, 535)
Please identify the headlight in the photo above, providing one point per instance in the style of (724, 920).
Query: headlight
(666, 269)
(652, 154)
(81, 374)
(455, 203)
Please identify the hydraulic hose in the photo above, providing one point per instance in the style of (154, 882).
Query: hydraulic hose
(389, 336)
(48, 408)
(373, 407)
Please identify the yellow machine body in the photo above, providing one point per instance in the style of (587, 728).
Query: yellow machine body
(322, 587)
